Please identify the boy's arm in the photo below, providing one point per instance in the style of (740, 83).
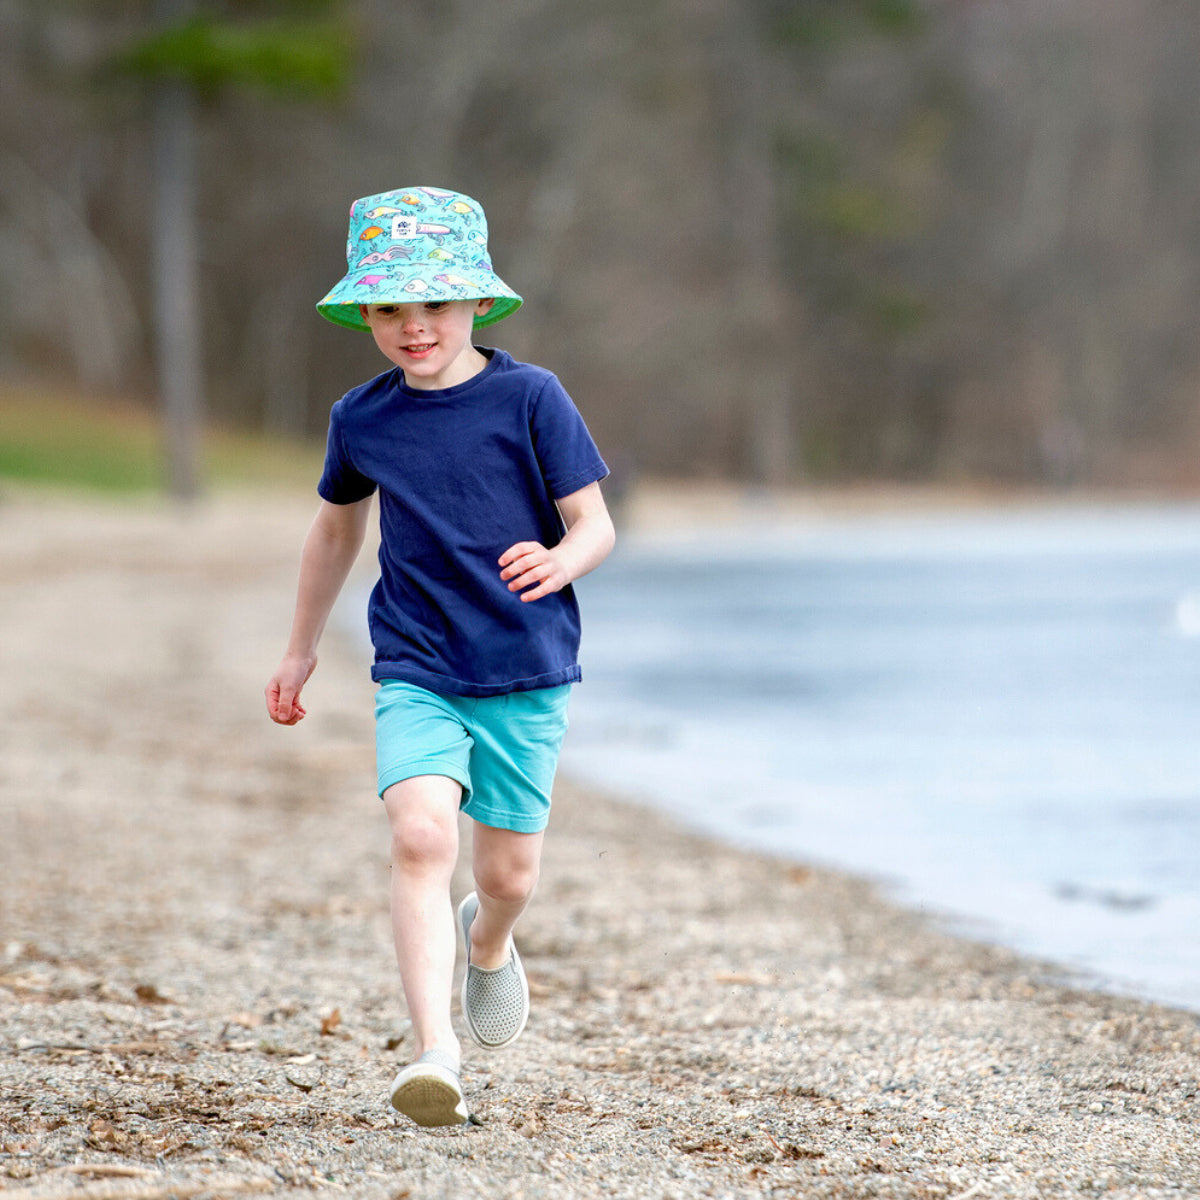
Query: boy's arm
(330, 549)
(586, 544)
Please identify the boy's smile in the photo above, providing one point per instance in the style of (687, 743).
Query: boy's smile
(430, 341)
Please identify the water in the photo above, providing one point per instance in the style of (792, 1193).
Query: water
(995, 714)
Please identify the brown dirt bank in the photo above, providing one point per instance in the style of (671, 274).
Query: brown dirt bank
(197, 994)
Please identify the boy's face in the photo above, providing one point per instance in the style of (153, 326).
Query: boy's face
(430, 342)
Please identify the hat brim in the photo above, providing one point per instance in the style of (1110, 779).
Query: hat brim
(417, 283)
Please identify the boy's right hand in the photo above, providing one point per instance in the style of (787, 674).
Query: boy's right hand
(283, 691)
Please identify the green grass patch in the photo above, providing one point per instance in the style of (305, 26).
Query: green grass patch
(897, 312)
(829, 24)
(861, 212)
(64, 440)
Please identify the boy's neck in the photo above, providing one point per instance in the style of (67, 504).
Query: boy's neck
(462, 370)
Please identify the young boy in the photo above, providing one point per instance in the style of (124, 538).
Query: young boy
(490, 506)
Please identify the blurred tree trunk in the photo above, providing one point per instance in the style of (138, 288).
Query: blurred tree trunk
(176, 288)
(757, 322)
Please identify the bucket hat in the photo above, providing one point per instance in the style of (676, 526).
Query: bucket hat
(417, 244)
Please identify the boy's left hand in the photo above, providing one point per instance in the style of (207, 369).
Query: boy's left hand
(588, 539)
(531, 565)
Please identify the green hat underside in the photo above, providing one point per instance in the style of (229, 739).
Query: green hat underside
(418, 283)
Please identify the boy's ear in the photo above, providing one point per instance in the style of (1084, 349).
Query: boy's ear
(485, 305)
(362, 312)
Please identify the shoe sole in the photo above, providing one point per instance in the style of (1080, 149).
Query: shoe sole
(429, 1096)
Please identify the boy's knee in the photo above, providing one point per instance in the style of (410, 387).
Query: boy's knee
(423, 839)
(507, 882)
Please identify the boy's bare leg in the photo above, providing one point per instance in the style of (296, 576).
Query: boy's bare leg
(506, 872)
(423, 813)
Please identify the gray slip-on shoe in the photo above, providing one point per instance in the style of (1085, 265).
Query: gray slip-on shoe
(495, 1003)
(429, 1091)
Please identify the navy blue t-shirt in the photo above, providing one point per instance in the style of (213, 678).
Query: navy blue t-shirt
(464, 473)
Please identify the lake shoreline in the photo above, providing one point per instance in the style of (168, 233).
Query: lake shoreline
(990, 704)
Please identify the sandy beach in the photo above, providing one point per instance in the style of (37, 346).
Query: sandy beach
(198, 994)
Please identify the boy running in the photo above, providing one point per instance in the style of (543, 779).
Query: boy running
(490, 506)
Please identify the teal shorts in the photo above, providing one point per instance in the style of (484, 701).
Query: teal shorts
(503, 750)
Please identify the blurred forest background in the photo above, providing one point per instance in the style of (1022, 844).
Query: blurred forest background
(936, 240)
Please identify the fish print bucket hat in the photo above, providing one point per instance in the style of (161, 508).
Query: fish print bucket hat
(413, 245)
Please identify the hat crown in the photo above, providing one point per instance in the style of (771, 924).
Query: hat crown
(418, 224)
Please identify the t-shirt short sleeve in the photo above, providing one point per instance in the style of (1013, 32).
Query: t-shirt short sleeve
(565, 450)
(341, 482)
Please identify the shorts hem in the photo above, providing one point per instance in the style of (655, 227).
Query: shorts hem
(399, 772)
(513, 822)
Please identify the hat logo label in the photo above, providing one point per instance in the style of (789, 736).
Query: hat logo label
(409, 228)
